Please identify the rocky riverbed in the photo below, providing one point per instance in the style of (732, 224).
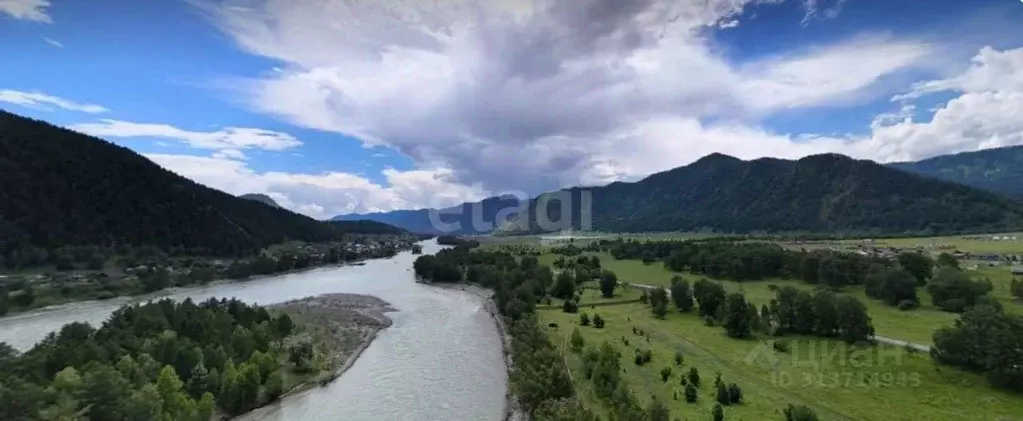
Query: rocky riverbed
(340, 326)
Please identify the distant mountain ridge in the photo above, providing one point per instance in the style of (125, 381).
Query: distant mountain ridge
(261, 198)
(998, 170)
(820, 193)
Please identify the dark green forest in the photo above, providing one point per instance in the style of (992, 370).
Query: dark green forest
(158, 361)
(998, 170)
(65, 189)
(820, 193)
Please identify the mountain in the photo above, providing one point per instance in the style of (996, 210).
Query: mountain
(459, 219)
(820, 193)
(61, 188)
(999, 170)
(367, 227)
(261, 198)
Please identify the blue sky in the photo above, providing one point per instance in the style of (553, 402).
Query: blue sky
(334, 110)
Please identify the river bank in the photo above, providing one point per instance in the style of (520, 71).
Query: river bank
(340, 326)
(512, 411)
(46, 302)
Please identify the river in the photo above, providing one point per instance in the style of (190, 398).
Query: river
(440, 360)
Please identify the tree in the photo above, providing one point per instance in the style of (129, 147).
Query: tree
(694, 376)
(825, 313)
(953, 290)
(275, 386)
(27, 296)
(734, 393)
(657, 411)
(681, 294)
(891, 285)
(919, 265)
(946, 260)
(832, 271)
(608, 283)
(598, 322)
(853, 322)
(577, 342)
(718, 413)
(660, 309)
(710, 296)
(570, 306)
(301, 355)
(985, 339)
(643, 297)
(691, 393)
(722, 395)
(103, 391)
(584, 319)
(737, 316)
(564, 285)
(564, 409)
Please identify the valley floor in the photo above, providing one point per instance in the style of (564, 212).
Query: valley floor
(839, 382)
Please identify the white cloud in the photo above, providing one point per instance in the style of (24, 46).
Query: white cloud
(815, 10)
(53, 42)
(34, 10)
(230, 154)
(518, 97)
(986, 113)
(326, 194)
(44, 101)
(236, 138)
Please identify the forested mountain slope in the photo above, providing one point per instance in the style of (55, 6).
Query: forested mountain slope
(62, 188)
(821, 193)
(262, 198)
(999, 170)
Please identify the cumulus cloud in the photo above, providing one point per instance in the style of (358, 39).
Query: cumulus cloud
(230, 138)
(40, 100)
(985, 114)
(327, 194)
(34, 10)
(538, 94)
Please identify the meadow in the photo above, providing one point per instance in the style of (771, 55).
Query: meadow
(837, 381)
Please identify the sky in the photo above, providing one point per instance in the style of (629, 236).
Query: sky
(352, 106)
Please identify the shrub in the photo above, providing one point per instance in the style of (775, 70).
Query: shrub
(598, 322)
(570, 307)
(710, 321)
(772, 287)
(734, 393)
(577, 342)
(665, 374)
(691, 393)
(781, 346)
(678, 357)
(906, 305)
(718, 413)
(584, 319)
(800, 413)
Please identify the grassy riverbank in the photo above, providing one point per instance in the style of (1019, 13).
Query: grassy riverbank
(839, 382)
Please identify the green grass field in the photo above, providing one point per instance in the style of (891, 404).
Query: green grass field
(839, 383)
(916, 326)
